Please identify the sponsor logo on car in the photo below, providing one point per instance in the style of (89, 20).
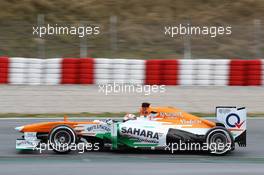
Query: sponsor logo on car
(98, 127)
(236, 118)
(190, 122)
(140, 132)
(171, 114)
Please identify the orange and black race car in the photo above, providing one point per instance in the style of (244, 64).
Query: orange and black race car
(156, 128)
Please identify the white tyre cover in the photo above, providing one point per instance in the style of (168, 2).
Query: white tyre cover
(102, 71)
(17, 80)
(35, 61)
(204, 61)
(52, 66)
(120, 66)
(52, 76)
(35, 66)
(136, 76)
(187, 67)
(18, 60)
(17, 75)
(220, 72)
(52, 71)
(119, 71)
(14, 65)
(53, 61)
(34, 71)
(185, 82)
(221, 67)
(203, 72)
(187, 62)
(137, 67)
(119, 76)
(204, 66)
(221, 62)
(34, 80)
(102, 81)
(103, 76)
(102, 61)
(52, 81)
(35, 75)
(187, 72)
(186, 77)
(220, 82)
(203, 82)
(136, 72)
(119, 61)
(136, 62)
(17, 70)
(220, 77)
(102, 66)
(203, 77)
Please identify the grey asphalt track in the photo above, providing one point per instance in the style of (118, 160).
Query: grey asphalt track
(249, 160)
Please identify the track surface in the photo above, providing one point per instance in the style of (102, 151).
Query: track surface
(249, 160)
(76, 98)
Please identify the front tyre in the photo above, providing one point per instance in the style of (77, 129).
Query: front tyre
(61, 139)
(219, 141)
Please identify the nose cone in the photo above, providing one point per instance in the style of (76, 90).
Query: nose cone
(20, 128)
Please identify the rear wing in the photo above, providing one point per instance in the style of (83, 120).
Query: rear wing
(235, 120)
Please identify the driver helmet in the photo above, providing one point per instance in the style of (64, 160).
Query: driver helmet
(144, 111)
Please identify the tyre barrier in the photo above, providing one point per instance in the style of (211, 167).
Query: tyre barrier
(86, 71)
(70, 71)
(262, 72)
(203, 72)
(253, 73)
(129, 71)
(220, 72)
(102, 72)
(183, 72)
(17, 70)
(169, 72)
(4, 65)
(52, 71)
(136, 71)
(153, 72)
(119, 70)
(34, 71)
(187, 72)
(237, 73)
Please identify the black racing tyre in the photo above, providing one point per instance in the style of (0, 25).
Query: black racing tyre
(61, 139)
(219, 141)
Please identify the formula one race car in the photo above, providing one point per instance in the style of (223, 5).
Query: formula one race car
(156, 128)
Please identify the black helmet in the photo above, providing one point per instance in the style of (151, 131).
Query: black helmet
(145, 105)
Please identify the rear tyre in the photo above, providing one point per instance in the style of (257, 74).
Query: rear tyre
(219, 141)
(61, 139)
